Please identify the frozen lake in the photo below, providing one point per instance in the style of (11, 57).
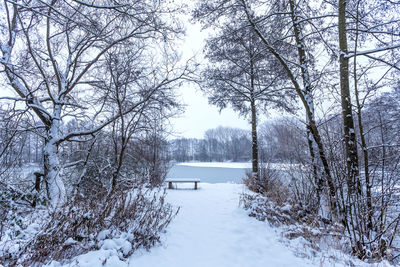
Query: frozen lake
(210, 172)
(221, 172)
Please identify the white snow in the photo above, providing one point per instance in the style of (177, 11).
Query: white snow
(70, 241)
(212, 230)
(109, 244)
(103, 235)
(95, 258)
(286, 208)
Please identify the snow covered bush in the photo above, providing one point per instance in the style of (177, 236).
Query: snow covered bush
(18, 217)
(86, 223)
(286, 213)
(267, 184)
(292, 206)
(283, 202)
(313, 231)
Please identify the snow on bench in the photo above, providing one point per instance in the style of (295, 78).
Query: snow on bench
(187, 180)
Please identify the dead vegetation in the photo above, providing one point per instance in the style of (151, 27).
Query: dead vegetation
(273, 201)
(139, 215)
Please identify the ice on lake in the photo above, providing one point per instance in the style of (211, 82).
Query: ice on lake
(221, 172)
(210, 172)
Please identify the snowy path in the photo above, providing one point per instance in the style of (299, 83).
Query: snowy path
(212, 231)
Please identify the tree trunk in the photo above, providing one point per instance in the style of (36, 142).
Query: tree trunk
(368, 185)
(51, 163)
(318, 181)
(309, 111)
(52, 168)
(348, 123)
(307, 92)
(254, 143)
(353, 209)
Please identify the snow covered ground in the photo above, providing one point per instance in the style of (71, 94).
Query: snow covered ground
(211, 230)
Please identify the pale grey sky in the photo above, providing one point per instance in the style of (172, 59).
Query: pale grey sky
(199, 116)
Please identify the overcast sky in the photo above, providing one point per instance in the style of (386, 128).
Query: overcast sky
(199, 116)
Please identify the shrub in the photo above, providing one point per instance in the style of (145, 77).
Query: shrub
(268, 184)
(138, 214)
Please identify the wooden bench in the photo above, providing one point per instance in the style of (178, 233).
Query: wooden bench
(170, 181)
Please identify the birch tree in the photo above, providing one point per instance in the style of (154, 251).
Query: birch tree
(356, 35)
(280, 27)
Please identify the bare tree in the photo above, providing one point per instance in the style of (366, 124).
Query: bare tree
(136, 93)
(304, 38)
(380, 30)
(280, 43)
(52, 54)
(241, 75)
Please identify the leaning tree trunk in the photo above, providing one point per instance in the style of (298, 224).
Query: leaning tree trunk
(307, 92)
(309, 110)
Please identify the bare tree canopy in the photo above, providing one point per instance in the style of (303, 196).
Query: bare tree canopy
(54, 55)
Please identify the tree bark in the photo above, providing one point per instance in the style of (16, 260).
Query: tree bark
(352, 218)
(368, 185)
(348, 122)
(307, 91)
(254, 143)
(51, 163)
(308, 109)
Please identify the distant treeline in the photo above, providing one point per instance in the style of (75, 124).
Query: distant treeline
(279, 140)
(219, 144)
